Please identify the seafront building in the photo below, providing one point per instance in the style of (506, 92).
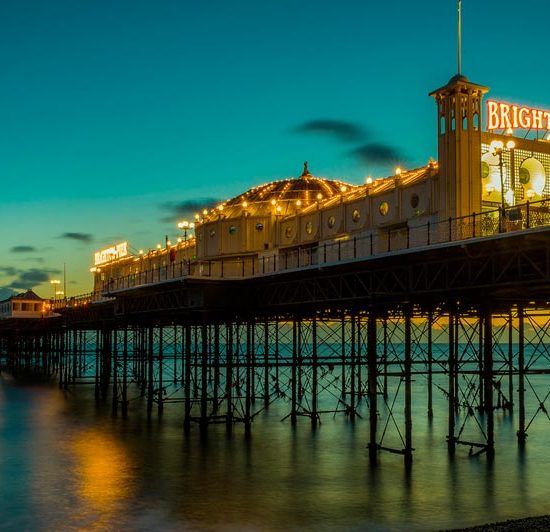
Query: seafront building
(25, 305)
(484, 182)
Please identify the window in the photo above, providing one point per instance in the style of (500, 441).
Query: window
(232, 230)
(384, 208)
(331, 222)
(212, 233)
(415, 200)
(259, 226)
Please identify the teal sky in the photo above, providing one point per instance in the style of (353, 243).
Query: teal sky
(120, 118)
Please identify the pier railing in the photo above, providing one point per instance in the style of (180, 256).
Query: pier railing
(378, 243)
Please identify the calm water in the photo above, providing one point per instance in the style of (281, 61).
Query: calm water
(64, 465)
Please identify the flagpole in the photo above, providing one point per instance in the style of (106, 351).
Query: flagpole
(459, 36)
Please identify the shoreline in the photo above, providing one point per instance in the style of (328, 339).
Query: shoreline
(526, 524)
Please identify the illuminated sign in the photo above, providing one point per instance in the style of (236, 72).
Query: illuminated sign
(114, 252)
(508, 116)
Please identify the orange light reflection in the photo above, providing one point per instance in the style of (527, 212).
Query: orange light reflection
(105, 478)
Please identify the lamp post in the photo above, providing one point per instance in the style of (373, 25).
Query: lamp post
(55, 283)
(497, 148)
(186, 226)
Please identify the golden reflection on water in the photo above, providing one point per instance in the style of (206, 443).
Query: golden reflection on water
(103, 472)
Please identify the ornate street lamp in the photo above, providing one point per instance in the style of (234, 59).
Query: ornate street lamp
(186, 226)
(497, 148)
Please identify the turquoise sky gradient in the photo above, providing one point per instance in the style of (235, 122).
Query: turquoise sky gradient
(113, 113)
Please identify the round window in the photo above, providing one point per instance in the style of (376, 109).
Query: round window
(331, 221)
(384, 208)
(232, 230)
(288, 232)
(259, 226)
(212, 233)
(415, 200)
(524, 176)
(309, 228)
(356, 215)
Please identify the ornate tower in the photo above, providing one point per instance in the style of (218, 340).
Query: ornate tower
(459, 146)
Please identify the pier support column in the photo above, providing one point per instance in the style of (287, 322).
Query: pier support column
(488, 380)
(187, 381)
(408, 388)
(249, 370)
(293, 383)
(229, 378)
(114, 405)
(451, 442)
(125, 375)
(430, 366)
(204, 377)
(522, 435)
(314, 369)
(372, 391)
(160, 395)
(105, 363)
(266, 364)
(343, 348)
(510, 404)
(352, 394)
(150, 371)
(216, 387)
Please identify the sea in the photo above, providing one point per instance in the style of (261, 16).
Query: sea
(67, 464)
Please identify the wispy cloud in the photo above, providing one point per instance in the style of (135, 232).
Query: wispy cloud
(28, 278)
(377, 153)
(81, 237)
(340, 130)
(23, 249)
(173, 210)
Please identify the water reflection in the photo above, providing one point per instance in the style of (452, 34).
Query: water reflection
(65, 465)
(103, 472)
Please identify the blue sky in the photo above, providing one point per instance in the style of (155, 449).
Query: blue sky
(120, 118)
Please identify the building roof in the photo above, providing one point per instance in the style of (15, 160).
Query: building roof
(29, 295)
(281, 197)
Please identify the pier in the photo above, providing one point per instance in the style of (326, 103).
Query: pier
(333, 298)
(466, 318)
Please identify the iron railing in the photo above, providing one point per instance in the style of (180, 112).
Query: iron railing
(477, 225)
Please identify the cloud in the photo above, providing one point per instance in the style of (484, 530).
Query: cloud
(27, 278)
(10, 271)
(338, 129)
(377, 153)
(179, 209)
(35, 276)
(23, 249)
(81, 237)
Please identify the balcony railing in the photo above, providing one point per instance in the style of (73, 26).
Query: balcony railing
(383, 242)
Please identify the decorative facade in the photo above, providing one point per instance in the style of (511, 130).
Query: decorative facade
(478, 172)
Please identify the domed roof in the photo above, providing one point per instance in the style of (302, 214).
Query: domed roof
(284, 195)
